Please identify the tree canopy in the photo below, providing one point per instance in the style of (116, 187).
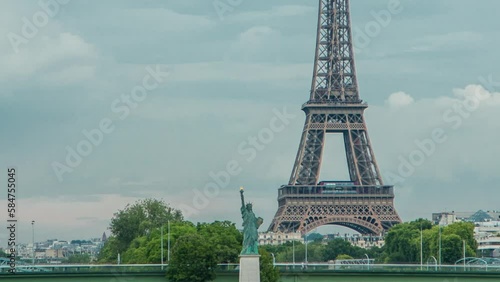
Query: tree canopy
(140, 219)
(402, 243)
(268, 272)
(340, 246)
(225, 239)
(193, 260)
(79, 258)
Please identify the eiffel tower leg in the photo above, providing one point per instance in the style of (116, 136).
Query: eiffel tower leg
(308, 161)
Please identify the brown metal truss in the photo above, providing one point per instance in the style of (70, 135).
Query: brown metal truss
(366, 204)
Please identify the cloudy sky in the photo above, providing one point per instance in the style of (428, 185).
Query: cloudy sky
(431, 70)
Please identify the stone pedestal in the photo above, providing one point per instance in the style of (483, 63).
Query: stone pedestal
(249, 268)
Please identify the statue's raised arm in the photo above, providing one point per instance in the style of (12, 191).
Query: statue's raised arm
(242, 198)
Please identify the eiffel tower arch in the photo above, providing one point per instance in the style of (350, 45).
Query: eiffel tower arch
(364, 203)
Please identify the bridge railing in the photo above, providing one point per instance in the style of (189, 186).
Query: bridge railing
(284, 267)
(80, 268)
(327, 267)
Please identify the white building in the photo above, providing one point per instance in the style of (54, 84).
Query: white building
(488, 238)
(271, 238)
(366, 242)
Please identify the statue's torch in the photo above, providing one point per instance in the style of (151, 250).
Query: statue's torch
(242, 198)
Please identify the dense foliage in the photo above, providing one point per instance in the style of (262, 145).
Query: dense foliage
(78, 259)
(193, 260)
(146, 249)
(268, 272)
(402, 243)
(140, 219)
(225, 239)
(319, 251)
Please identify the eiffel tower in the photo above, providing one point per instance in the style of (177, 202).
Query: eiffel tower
(364, 203)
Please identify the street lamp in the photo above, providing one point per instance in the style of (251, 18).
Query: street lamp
(464, 255)
(421, 248)
(305, 237)
(33, 239)
(440, 245)
(274, 260)
(161, 245)
(168, 241)
(368, 261)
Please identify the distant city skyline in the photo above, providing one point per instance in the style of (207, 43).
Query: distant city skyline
(212, 84)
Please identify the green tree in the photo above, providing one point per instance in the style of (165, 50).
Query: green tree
(284, 252)
(403, 242)
(343, 256)
(79, 258)
(138, 251)
(147, 248)
(376, 253)
(225, 239)
(268, 272)
(109, 252)
(315, 252)
(140, 219)
(281, 249)
(421, 223)
(193, 260)
(451, 248)
(339, 246)
(399, 243)
(465, 230)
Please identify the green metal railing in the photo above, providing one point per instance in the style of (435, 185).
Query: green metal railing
(283, 267)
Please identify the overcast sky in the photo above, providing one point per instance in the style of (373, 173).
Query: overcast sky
(230, 72)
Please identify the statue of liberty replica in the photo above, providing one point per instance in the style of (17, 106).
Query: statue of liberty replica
(249, 257)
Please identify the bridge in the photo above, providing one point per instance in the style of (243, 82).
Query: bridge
(289, 272)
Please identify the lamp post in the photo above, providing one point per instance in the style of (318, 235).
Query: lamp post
(168, 241)
(368, 261)
(293, 253)
(421, 249)
(305, 237)
(161, 245)
(440, 245)
(274, 260)
(464, 254)
(33, 239)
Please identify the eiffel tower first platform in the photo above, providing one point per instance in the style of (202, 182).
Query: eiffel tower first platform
(364, 203)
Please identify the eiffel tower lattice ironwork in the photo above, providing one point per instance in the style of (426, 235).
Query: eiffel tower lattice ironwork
(364, 203)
